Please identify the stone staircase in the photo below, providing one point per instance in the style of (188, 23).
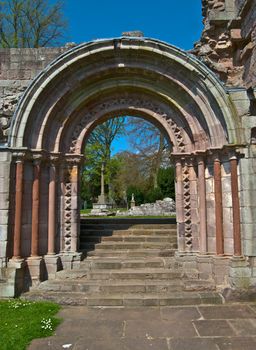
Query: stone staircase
(128, 262)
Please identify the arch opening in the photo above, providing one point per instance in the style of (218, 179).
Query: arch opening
(92, 84)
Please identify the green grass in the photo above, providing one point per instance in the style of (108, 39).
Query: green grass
(85, 211)
(22, 321)
(131, 217)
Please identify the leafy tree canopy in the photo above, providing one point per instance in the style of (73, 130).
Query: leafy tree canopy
(30, 23)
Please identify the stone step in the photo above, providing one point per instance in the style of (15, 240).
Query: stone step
(112, 263)
(128, 245)
(113, 226)
(123, 253)
(128, 232)
(142, 274)
(145, 299)
(113, 286)
(124, 238)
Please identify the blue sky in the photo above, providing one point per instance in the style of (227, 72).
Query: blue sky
(178, 22)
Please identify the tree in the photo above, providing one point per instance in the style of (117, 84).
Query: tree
(166, 181)
(30, 23)
(151, 144)
(103, 135)
(98, 150)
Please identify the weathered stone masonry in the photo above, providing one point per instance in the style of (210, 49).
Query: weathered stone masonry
(64, 93)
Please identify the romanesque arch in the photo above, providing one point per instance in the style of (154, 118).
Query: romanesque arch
(107, 78)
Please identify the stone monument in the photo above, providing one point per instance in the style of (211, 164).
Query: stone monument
(133, 204)
(102, 206)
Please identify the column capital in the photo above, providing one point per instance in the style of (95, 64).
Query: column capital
(54, 159)
(72, 159)
(37, 159)
(19, 157)
(200, 158)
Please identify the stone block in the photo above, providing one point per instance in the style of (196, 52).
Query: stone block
(4, 217)
(5, 157)
(227, 215)
(247, 182)
(240, 282)
(3, 232)
(242, 106)
(53, 264)
(247, 166)
(204, 265)
(3, 249)
(193, 187)
(228, 246)
(5, 169)
(4, 184)
(226, 184)
(226, 199)
(220, 270)
(35, 267)
(209, 185)
(4, 201)
(248, 197)
(211, 245)
(249, 247)
(248, 215)
(235, 34)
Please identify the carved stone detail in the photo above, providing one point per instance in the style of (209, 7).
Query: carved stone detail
(8, 104)
(187, 207)
(67, 213)
(126, 102)
(218, 45)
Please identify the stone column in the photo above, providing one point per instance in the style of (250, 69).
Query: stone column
(35, 208)
(202, 206)
(218, 207)
(52, 261)
(180, 206)
(18, 209)
(75, 210)
(34, 261)
(62, 190)
(236, 207)
(52, 210)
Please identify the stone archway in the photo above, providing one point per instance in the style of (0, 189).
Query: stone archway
(91, 83)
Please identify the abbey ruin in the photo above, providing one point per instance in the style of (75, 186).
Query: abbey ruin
(204, 100)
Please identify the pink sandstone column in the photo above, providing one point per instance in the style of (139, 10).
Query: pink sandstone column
(236, 207)
(202, 206)
(180, 206)
(18, 209)
(52, 210)
(75, 207)
(35, 209)
(218, 207)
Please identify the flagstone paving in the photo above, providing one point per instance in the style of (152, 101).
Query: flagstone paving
(215, 327)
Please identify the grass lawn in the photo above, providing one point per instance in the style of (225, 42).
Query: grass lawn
(22, 321)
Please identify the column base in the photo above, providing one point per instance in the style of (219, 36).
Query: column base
(70, 260)
(52, 265)
(240, 273)
(35, 270)
(205, 266)
(187, 262)
(221, 271)
(13, 276)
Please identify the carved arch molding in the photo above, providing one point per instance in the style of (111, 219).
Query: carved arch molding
(112, 106)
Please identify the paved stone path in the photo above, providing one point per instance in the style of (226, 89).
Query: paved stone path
(219, 327)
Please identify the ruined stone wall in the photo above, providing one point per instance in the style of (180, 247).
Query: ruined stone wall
(17, 69)
(228, 41)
